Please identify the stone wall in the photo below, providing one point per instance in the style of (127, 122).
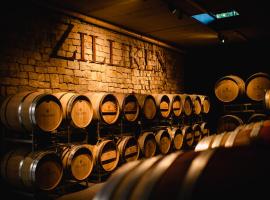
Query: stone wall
(45, 50)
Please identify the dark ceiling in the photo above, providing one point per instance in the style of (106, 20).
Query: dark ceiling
(154, 18)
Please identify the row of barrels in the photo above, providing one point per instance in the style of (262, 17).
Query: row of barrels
(44, 170)
(231, 88)
(243, 135)
(240, 173)
(31, 110)
(231, 121)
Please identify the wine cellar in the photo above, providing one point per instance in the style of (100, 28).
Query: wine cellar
(141, 99)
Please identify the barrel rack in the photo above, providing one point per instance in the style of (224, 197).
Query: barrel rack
(53, 142)
(244, 107)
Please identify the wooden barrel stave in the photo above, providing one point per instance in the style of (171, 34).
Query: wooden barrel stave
(41, 170)
(105, 106)
(257, 85)
(163, 104)
(228, 123)
(128, 148)
(229, 88)
(187, 104)
(147, 144)
(148, 106)
(77, 109)
(196, 104)
(177, 137)
(176, 104)
(163, 140)
(129, 106)
(32, 110)
(77, 161)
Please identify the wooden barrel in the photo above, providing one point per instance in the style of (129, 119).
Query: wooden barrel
(267, 100)
(188, 135)
(229, 88)
(129, 106)
(11, 166)
(163, 140)
(147, 144)
(205, 129)
(197, 105)
(105, 105)
(148, 106)
(163, 104)
(77, 161)
(128, 148)
(242, 135)
(197, 133)
(205, 104)
(39, 170)
(77, 109)
(177, 137)
(228, 123)
(26, 111)
(187, 104)
(256, 86)
(192, 175)
(176, 105)
(106, 155)
(256, 117)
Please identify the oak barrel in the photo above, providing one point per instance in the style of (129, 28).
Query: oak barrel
(163, 104)
(129, 106)
(196, 104)
(106, 155)
(128, 148)
(148, 106)
(177, 137)
(77, 161)
(176, 104)
(163, 140)
(105, 105)
(31, 110)
(197, 133)
(228, 123)
(256, 86)
(229, 88)
(77, 109)
(256, 117)
(267, 100)
(237, 172)
(242, 135)
(205, 129)
(188, 135)
(187, 104)
(147, 144)
(205, 104)
(11, 166)
(39, 170)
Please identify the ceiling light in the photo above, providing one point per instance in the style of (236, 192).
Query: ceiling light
(204, 18)
(232, 13)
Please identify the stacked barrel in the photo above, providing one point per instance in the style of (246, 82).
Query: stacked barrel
(243, 101)
(161, 124)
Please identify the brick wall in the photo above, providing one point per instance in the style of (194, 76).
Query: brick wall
(45, 50)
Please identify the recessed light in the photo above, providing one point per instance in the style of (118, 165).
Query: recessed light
(204, 18)
(232, 13)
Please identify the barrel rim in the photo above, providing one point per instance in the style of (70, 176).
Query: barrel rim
(38, 157)
(236, 79)
(101, 144)
(32, 110)
(103, 97)
(125, 140)
(137, 103)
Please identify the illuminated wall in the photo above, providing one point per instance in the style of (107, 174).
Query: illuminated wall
(45, 50)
